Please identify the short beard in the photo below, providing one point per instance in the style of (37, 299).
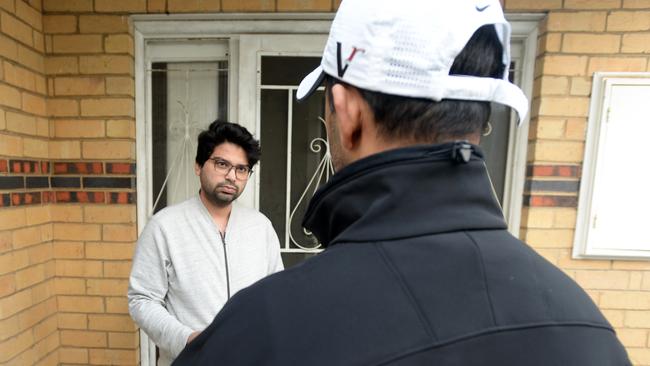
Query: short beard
(221, 200)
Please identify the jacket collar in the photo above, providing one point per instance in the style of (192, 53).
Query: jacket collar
(404, 193)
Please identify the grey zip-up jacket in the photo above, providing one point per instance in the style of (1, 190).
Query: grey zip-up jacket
(183, 271)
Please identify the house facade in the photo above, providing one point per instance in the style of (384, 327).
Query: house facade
(101, 100)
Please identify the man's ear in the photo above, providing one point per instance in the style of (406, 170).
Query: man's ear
(346, 101)
(197, 169)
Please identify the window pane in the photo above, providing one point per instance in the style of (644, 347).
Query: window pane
(287, 70)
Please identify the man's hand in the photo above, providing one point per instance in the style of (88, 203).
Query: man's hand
(192, 336)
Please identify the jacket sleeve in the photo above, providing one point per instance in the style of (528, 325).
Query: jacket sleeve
(273, 248)
(148, 285)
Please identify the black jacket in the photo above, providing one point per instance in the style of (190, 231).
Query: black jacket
(419, 270)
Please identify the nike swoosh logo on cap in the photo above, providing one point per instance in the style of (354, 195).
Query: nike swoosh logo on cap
(482, 8)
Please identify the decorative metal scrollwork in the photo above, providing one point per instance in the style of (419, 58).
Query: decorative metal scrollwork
(324, 171)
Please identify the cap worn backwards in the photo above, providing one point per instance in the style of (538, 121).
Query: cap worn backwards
(407, 48)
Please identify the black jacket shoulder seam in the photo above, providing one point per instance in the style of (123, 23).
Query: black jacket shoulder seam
(398, 275)
(487, 286)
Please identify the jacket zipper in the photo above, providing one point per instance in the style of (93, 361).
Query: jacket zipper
(225, 259)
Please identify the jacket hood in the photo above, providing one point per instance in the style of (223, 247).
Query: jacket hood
(381, 197)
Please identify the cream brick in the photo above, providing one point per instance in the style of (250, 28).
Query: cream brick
(247, 6)
(39, 42)
(65, 231)
(117, 269)
(10, 96)
(616, 64)
(29, 15)
(78, 268)
(636, 43)
(615, 317)
(119, 43)
(639, 356)
(66, 213)
(70, 286)
(564, 106)
(636, 4)
(123, 340)
(21, 123)
(576, 129)
(117, 305)
(559, 151)
(35, 104)
(106, 64)
(72, 321)
(8, 328)
(19, 76)
(112, 149)
(79, 86)
(580, 86)
(117, 323)
(113, 357)
(630, 300)
(111, 107)
(15, 303)
(8, 47)
(3, 119)
(628, 21)
(36, 148)
(156, 6)
(566, 262)
(16, 29)
(53, 24)
(564, 65)
(7, 286)
(636, 280)
(111, 214)
(632, 265)
(120, 232)
(5, 241)
(68, 6)
(11, 146)
(645, 282)
(603, 280)
(79, 128)
(31, 59)
(43, 128)
(550, 128)
(45, 328)
(554, 85)
(190, 6)
(121, 6)
(103, 24)
(86, 43)
(592, 21)
(120, 128)
(65, 149)
(82, 338)
(69, 355)
(549, 238)
(120, 86)
(58, 65)
(107, 287)
(8, 5)
(637, 319)
(591, 43)
(591, 4)
(533, 5)
(37, 313)
(40, 254)
(80, 304)
(68, 250)
(15, 346)
(109, 251)
(43, 291)
(11, 218)
(62, 107)
(26, 236)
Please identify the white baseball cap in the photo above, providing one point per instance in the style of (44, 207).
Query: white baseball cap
(407, 48)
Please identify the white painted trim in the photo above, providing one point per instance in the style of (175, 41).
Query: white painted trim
(524, 27)
(594, 138)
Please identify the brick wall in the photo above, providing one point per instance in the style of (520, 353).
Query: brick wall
(578, 38)
(28, 310)
(67, 164)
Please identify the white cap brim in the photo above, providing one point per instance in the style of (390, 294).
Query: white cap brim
(310, 83)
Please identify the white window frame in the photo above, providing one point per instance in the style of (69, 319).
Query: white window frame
(244, 109)
(591, 170)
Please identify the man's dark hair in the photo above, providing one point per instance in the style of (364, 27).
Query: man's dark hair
(422, 120)
(221, 131)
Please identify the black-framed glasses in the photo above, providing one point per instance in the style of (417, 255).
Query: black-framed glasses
(221, 166)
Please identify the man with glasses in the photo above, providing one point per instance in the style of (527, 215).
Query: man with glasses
(193, 256)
